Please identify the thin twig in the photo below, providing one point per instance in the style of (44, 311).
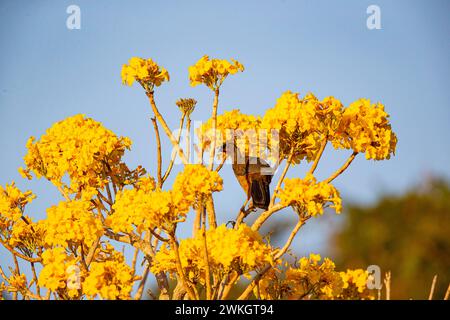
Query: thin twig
(387, 284)
(174, 245)
(2, 274)
(447, 294)
(174, 154)
(159, 237)
(290, 239)
(64, 194)
(158, 148)
(342, 169)
(103, 198)
(214, 127)
(166, 128)
(134, 261)
(283, 174)
(91, 253)
(433, 286)
(216, 287)
(243, 213)
(256, 279)
(318, 156)
(197, 221)
(206, 257)
(211, 212)
(229, 286)
(188, 140)
(277, 256)
(141, 287)
(108, 191)
(221, 163)
(18, 254)
(35, 279)
(265, 215)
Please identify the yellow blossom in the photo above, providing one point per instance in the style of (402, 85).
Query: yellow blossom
(54, 274)
(110, 279)
(314, 280)
(81, 148)
(235, 127)
(295, 124)
(355, 285)
(309, 196)
(212, 72)
(146, 183)
(13, 201)
(26, 235)
(272, 286)
(186, 106)
(365, 128)
(143, 209)
(195, 183)
(71, 223)
(241, 250)
(144, 71)
(17, 283)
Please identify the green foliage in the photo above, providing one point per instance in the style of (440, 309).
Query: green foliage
(407, 234)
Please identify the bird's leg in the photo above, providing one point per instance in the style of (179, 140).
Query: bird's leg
(245, 203)
(243, 213)
(250, 208)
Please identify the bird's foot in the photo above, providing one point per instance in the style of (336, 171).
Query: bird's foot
(232, 223)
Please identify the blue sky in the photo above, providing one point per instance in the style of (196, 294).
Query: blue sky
(49, 72)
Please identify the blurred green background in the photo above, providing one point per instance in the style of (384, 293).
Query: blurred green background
(408, 234)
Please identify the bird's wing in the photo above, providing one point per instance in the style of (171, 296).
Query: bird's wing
(259, 167)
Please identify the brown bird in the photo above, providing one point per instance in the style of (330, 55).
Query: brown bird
(253, 174)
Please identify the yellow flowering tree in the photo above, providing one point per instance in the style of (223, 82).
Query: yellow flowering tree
(105, 203)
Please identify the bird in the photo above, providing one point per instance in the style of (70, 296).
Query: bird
(254, 176)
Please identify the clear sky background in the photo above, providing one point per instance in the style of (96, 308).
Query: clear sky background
(49, 72)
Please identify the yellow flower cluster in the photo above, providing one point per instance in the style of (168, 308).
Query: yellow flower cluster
(314, 280)
(196, 183)
(81, 148)
(236, 127)
(27, 236)
(17, 283)
(54, 274)
(296, 124)
(365, 128)
(212, 72)
(309, 196)
(186, 106)
(271, 286)
(138, 208)
(110, 279)
(146, 183)
(303, 124)
(242, 250)
(146, 208)
(12, 204)
(144, 71)
(71, 223)
(355, 285)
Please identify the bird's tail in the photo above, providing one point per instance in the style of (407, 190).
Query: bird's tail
(260, 193)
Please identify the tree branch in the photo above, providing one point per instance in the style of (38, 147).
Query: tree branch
(158, 149)
(214, 127)
(166, 128)
(283, 174)
(341, 169)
